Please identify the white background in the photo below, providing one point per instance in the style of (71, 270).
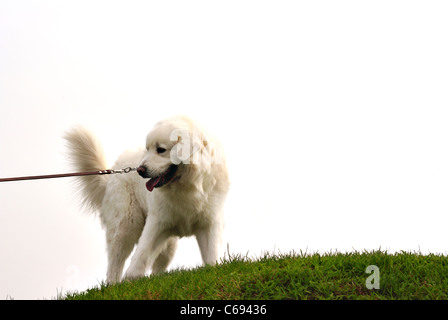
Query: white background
(333, 115)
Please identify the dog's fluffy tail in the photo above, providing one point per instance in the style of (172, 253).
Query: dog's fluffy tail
(86, 154)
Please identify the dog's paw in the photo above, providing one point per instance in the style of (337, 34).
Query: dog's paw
(133, 275)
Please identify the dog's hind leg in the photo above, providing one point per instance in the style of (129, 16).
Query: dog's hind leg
(120, 243)
(165, 257)
(124, 224)
(117, 253)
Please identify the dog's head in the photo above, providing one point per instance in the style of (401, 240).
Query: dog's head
(173, 147)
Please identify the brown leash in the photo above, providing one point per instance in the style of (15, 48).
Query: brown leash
(74, 174)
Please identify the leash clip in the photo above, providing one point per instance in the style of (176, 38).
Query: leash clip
(125, 170)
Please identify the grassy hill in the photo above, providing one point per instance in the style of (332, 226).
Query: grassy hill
(402, 275)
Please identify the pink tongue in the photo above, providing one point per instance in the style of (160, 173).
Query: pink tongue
(152, 183)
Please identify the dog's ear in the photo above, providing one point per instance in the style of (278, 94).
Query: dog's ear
(204, 142)
(181, 151)
(191, 148)
(201, 151)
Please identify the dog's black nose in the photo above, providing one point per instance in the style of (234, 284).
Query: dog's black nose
(142, 171)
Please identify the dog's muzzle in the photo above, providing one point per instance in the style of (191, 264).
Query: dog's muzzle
(159, 181)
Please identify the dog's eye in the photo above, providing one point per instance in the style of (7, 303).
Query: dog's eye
(160, 150)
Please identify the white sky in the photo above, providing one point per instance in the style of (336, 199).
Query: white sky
(333, 115)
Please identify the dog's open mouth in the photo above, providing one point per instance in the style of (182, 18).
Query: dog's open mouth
(163, 179)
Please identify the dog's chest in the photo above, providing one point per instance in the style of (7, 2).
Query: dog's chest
(183, 218)
(184, 222)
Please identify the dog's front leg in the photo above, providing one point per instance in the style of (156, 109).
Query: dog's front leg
(209, 241)
(150, 244)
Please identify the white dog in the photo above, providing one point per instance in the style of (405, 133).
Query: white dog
(184, 196)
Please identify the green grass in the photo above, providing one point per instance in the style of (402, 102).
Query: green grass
(292, 276)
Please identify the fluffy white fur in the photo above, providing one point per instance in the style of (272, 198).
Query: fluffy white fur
(189, 204)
